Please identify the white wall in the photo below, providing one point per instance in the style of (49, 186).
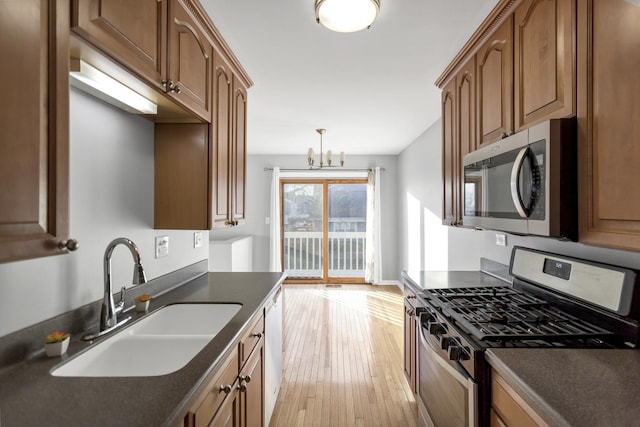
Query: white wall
(425, 244)
(258, 202)
(111, 195)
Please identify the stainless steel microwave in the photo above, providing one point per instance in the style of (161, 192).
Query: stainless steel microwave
(525, 183)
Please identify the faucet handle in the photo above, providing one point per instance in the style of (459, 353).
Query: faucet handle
(120, 304)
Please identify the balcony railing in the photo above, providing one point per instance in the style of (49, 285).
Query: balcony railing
(303, 254)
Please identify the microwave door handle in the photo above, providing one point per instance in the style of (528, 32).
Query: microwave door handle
(515, 188)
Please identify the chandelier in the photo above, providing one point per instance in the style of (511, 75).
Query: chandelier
(311, 156)
(346, 16)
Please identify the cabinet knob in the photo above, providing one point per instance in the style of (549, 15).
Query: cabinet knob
(170, 86)
(242, 386)
(225, 388)
(70, 245)
(257, 335)
(246, 378)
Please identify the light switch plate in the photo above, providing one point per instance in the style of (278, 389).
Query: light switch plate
(197, 239)
(501, 239)
(162, 246)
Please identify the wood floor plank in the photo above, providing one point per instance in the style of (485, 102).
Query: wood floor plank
(342, 358)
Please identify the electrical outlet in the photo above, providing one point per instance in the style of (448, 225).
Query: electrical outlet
(197, 239)
(162, 246)
(501, 239)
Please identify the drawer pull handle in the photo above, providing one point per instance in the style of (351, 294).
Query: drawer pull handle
(226, 388)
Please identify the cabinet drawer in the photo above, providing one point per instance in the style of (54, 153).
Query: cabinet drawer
(206, 409)
(250, 339)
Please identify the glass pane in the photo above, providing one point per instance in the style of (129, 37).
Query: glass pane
(347, 229)
(302, 226)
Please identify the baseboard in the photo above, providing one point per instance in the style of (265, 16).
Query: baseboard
(390, 283)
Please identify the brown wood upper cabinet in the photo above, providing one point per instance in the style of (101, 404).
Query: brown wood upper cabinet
(495, 84)
(450, 150)
(609, 133)
(459, 137)
(228, 128)
(239, 151)
(517, 70)
(544, 61)
(200, 168)
(163, 42)
(34, 118)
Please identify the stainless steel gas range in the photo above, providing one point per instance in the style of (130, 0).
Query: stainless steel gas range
(554, 301)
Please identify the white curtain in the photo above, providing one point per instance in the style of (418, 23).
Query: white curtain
(275, 252)
(373, 267)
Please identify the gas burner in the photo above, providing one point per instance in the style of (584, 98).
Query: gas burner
(498, 318)
(496, 305)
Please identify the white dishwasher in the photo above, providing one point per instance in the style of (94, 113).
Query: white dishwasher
(272, 355)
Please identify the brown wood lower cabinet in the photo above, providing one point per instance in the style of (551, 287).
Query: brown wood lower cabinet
(508, 409)
(235, 396)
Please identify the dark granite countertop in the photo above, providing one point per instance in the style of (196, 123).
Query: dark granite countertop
(30, 396)
(574, 387)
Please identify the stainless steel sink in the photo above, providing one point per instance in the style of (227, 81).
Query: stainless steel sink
(159, 344)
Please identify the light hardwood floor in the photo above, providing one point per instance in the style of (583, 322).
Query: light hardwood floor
(343, 358)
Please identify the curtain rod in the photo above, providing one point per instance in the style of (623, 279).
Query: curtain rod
(267, 169)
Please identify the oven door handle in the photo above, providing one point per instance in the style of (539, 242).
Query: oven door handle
(516, 171)
(465, 380)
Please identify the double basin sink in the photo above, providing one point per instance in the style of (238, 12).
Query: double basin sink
(159, 344)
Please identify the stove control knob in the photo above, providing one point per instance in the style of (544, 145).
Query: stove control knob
(457, 353)
(444, 342)
(425, 316)
(436, 329)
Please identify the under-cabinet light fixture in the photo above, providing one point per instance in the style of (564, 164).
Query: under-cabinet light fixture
(346, 16)
(93, 81)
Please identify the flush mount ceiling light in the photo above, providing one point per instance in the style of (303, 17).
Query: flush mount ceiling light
(346, 16)
(311, 156)
(93, 81)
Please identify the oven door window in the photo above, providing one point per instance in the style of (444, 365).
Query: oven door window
(444, 396)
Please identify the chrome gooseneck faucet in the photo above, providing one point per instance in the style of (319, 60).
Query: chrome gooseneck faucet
(109, 312)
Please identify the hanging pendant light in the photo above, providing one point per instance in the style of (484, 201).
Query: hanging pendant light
(311, 156)
(347, 16)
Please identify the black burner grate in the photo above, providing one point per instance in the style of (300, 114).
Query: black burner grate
(504, 313)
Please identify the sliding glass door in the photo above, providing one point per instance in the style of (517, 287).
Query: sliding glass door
(324, 230)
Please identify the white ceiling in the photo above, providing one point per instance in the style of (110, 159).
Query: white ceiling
(372, 90)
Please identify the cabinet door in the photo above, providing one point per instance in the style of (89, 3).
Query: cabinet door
(608, 130)
(495, 85)
(544, 58)
(229, 413)
(410, 345)
(252, 390)
(221, 131)
(34, 118)
(131, 32)
(466, 107)
(181, 176)
(239, 150)
(449, 155)
(190, 59)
